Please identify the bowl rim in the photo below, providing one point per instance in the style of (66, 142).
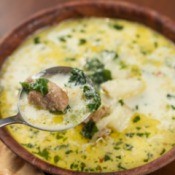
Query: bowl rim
(165, 26)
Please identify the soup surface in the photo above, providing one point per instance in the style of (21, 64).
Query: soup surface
(133, 68)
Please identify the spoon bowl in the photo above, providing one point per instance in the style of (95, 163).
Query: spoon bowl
(19, 117)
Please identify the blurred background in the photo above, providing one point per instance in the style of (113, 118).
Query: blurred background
(13, 12)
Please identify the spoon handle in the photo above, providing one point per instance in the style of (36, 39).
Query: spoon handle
(10, 120)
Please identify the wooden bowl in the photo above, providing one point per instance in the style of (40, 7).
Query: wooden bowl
(76, 9)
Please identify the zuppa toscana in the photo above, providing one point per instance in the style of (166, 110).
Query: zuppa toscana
(133, 68)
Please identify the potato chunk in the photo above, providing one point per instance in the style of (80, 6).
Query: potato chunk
(55, 100)
(123, 88)
(118, 119)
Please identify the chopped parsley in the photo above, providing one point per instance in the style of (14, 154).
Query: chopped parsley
(96, 71)
(128, 147)
(56, 159)
(121, 102)
(82, 41)
(170, 96)
(44, 153)
(130, 134)
(93, 96)
(149, 156)
(106, 157)
(36, 40)
(120, 167)
(40, 85)
(62, 39)
(136, 119)
(89, 129)
(117, 27)
(141, 134)
(78, 77)
(163, 151)
(93, 65)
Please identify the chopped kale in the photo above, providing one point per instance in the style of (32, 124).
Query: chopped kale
(94, 98)
(62, 39)
(149, 156)
(101, 76)
(121, 102)
(56, 159)
(44, 153)
(128, 147)
(130, 134)
(89, 129)
(137, 107)
(170, 96)
(78, 77)
(163, 151)
(93, 65)
(173, 107)
(29, 145)
(36, 40)
(119, 157)
(79, 166)
(39, 85)
(82, 41)
(107, 157)
(117, 26)
(68, 152)
(136, 119)
(82, 166)
(141, 134)
(120, 167)
(96, 71)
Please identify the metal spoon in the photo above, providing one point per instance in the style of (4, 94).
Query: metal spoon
(18, 118)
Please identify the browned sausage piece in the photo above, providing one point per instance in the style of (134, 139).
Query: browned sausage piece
(55, 100)
(97, 115)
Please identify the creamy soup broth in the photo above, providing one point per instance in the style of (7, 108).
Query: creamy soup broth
(141, 93)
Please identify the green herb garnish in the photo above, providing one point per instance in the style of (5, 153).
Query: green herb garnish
(121, 102)
(36, 40)
(40, 85)
(89, 129)
(93, 65)
(100, 76)
(96, 71)
(136, 119)
(82, 41)
(77, 76)
(56, 159)
(117, 26)
(93, 96)
(44, 153)
(107, 157)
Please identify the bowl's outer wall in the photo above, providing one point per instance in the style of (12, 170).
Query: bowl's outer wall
(76, 9)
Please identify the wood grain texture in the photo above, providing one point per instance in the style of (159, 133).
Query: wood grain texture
(14, 12)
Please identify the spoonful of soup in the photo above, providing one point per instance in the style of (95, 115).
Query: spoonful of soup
(55, 99)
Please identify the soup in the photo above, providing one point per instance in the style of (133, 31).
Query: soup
(133, 69)
(59, 101)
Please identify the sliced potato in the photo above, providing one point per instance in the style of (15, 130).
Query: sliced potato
(117, 120)
(123, 88)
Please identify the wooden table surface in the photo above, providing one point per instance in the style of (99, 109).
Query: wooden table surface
(13, 12)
